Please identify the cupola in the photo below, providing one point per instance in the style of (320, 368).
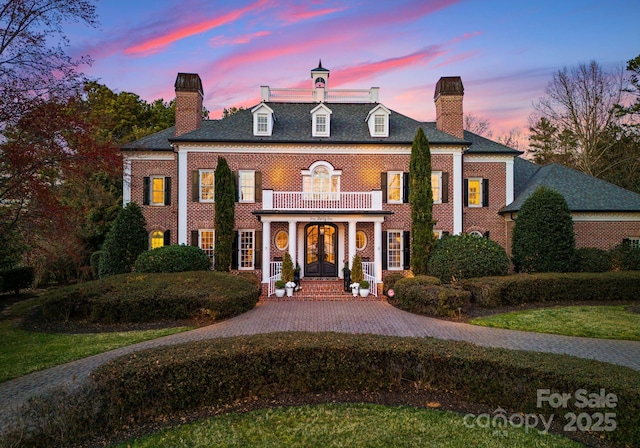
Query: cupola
(320, 77)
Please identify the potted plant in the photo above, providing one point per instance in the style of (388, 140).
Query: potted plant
(280, 285)
(364, 288)
(287, 273)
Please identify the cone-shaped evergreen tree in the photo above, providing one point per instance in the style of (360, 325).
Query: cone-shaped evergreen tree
(421, 200)
(225, 197)
(125, 241)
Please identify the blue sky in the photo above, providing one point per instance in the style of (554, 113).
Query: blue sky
(505, 51)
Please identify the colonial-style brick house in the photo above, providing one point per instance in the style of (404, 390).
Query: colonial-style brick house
(323, 174)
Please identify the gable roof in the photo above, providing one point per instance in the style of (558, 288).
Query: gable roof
(582, 192)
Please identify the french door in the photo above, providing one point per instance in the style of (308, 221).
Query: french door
(321, 249)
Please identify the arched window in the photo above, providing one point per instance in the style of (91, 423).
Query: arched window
(157, 239)
(322, 180)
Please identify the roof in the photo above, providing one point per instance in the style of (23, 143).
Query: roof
(582, 192)
(293, 123)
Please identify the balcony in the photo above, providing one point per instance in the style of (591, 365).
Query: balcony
(317, 95)
(343, 201)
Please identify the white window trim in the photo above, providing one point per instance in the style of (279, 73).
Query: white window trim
(366, 240)
(262, 124)
(382, 125)
(634, 241)
(389, 267)
(438, 234)
(253, 250)
(275, 240)
(151, 239)
(390, 174)
(262, 110)
(200, 185)
(324, 111)
(164, 187)
(253, 173)
(437, 200)
(476, 233)
(377, 111)
(200, 231)
(469, 204)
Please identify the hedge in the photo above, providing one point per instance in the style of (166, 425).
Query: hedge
(16, 279)
(424, 295)
(173, 258)
(150, 297)
(154, 384)
(491, 292)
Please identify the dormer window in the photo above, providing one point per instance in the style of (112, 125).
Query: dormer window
(378, 121)
(321, 121)
(263, 119)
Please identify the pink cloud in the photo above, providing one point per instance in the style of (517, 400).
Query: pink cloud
(296, 13)
(220, 41)
(158, 42)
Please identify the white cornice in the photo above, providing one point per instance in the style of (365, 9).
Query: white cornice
(138, 155)
(606, 217)
(310, 148)
(487, 158)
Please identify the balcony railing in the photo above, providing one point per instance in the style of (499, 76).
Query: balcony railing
(316, 95)
(297, 200)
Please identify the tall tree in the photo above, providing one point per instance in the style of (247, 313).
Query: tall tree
(632, 110)
(581, 101)
(33, 62)
(477, 125)
(421, 200)
(548, 144)
(225, 195)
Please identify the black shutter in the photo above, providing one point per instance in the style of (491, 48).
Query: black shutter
(626, 242)
(486, 234)
(236, 184)
(406, 249)
(194, 238)
(167, 238)
(146, 190)
(167, 191)
(195, 186)
(445, 233)
(445, 188)
(385, 244)
(383, 186)
(257, 249)
(234, 251)
(485, 192)
(258, 190)
(465, 192)
(405, 188)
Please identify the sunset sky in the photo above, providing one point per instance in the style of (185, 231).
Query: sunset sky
(505, 51)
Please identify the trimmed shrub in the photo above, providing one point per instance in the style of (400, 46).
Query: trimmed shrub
(125, 241)
(154, 384)
(173, 259)
(287, 268)
(625, 258)
(142, 297)
(390, 281)
(543, 237)
(224, 217)
(465, 256)
(591, 259)
(16, 279)
(424, 295)
(491, 292)
(356, 269)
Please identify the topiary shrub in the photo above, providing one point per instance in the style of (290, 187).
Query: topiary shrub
(624, 257)
(543, 237)
(173, 259)
(591, 259)
(465, 256)
(287, 268)
(356, 269)
(126, 240)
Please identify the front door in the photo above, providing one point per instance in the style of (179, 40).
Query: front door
(321, 248)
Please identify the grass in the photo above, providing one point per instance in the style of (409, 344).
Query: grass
(23, 352)
(604, 322)
(340, 425)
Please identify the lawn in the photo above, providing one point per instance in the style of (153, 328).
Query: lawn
(22, 352)
(604, 322)
(341, 425)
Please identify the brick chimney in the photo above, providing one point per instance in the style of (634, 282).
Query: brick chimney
(448, 98)
(189, 96)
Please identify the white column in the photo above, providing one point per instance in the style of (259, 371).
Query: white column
(266, 250)
(341, 257)
(509, 182)
(352, 242)
(457, 193)
(126, 181)
(293, 241)
(377, 248)
(183, 189)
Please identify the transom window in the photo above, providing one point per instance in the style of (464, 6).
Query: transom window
(207, 185)
(394, 187)
(247, 186)
(475, 192)
(394, 249)
(157, 239)
(246, 249)
(321, 181)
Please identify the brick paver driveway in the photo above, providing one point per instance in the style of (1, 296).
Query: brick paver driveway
(345, 317)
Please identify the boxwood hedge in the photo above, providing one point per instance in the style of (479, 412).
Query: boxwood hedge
(425, 295)
(140, 297)
(153, 384)
(173, 259)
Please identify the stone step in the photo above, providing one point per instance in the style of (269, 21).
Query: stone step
(323, 290)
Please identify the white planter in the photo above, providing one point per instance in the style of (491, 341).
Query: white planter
(364, 292)
(289, 292)
(279, 292)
